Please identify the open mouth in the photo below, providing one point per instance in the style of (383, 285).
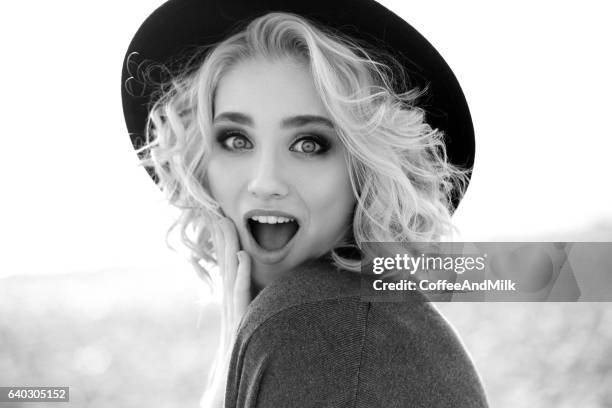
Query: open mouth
(272, 233)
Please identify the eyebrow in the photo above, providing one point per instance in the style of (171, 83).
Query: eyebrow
(302, 120)
(293, 121)
(235, 117)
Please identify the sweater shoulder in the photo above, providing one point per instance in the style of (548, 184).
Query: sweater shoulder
(413, 357)
(305, 355)
(313, 284)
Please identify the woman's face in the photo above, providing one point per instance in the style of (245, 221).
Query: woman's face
(277, 167)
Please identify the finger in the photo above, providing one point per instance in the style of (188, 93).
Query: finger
(230, 238)
(242, 287)
(219, 247)
(219, 243)
(231, 247)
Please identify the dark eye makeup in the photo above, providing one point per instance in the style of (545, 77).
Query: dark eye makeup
(233, 140)
(311, 145)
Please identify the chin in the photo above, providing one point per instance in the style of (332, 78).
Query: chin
(263, 274)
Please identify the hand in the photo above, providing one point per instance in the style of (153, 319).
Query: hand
(235, 270)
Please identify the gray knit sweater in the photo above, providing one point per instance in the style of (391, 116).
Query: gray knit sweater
(309, 339)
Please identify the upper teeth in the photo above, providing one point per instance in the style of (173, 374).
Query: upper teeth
(270, 219)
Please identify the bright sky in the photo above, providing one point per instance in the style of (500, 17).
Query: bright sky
(536, 76)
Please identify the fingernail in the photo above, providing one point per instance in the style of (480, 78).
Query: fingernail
(240, 256)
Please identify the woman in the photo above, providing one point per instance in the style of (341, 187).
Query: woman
(286, 147)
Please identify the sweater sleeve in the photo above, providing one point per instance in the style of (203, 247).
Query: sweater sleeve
(350, 353)
(305, 356)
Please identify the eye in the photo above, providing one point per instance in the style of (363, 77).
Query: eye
(310, 145)
(234, 141)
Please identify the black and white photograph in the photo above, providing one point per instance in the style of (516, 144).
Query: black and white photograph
(289, 203)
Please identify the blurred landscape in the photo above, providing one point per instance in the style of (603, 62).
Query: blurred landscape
(117, 338)
(124, 338)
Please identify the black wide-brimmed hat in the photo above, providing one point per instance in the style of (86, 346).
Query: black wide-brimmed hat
(178, 26)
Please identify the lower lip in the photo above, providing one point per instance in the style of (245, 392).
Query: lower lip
(270, 257)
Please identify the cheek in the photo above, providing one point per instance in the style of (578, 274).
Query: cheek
(330, 197)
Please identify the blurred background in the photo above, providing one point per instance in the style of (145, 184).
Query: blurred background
(92, 298)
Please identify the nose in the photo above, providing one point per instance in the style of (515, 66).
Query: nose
(267, 178)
